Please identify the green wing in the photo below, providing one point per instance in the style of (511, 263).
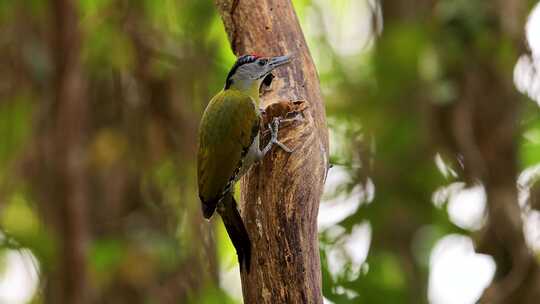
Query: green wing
(228, 127)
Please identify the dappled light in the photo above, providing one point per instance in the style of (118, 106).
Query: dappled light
(432, 194)
(458, 274)
(19, 278)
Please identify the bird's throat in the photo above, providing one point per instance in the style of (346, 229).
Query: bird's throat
(250, 88)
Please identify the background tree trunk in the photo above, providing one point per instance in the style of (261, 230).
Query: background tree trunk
(496, 118)
(65, 152)
(280, 197)
(484, 126)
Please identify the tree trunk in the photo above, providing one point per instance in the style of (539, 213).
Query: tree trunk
(485, 128)
(280, 196)
(64, 152)
(517, 279)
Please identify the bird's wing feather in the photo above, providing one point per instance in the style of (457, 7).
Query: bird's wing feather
(228, 127)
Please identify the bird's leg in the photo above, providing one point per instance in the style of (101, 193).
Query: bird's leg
(274, 128)
(277, 121)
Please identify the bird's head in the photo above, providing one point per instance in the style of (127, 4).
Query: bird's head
(250, 70)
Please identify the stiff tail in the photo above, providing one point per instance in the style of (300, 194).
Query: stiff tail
(236, 230)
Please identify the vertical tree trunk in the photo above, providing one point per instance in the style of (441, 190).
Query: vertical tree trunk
(280, 197)
(485, 128)
(517, 279)
(65, 154)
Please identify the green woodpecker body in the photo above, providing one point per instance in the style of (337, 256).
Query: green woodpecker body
(229, 135)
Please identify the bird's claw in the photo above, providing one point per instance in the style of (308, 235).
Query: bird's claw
(282, 146)
(297, 117)
(274, 129)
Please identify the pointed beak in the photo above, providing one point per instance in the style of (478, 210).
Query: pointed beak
(274, 62)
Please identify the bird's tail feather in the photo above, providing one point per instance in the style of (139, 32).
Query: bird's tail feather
(236, 230)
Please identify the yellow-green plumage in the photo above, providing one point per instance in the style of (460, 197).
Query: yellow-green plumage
(229, 145)
(227, 130)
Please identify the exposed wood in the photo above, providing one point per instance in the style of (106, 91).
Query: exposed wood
(280, 197)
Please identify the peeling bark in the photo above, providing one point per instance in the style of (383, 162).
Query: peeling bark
(280, 196)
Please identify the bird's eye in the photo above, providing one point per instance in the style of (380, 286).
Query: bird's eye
(262, 62)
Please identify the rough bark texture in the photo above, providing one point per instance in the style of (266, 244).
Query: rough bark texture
(280, 197)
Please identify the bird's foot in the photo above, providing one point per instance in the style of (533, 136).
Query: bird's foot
(274, 130)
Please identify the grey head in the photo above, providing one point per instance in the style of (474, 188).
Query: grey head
(249, 69)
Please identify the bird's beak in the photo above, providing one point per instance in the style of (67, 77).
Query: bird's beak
(274, 62)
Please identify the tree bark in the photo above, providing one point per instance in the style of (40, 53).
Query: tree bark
(280, 196)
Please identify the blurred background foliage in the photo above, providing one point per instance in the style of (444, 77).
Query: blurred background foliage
(150, 67)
